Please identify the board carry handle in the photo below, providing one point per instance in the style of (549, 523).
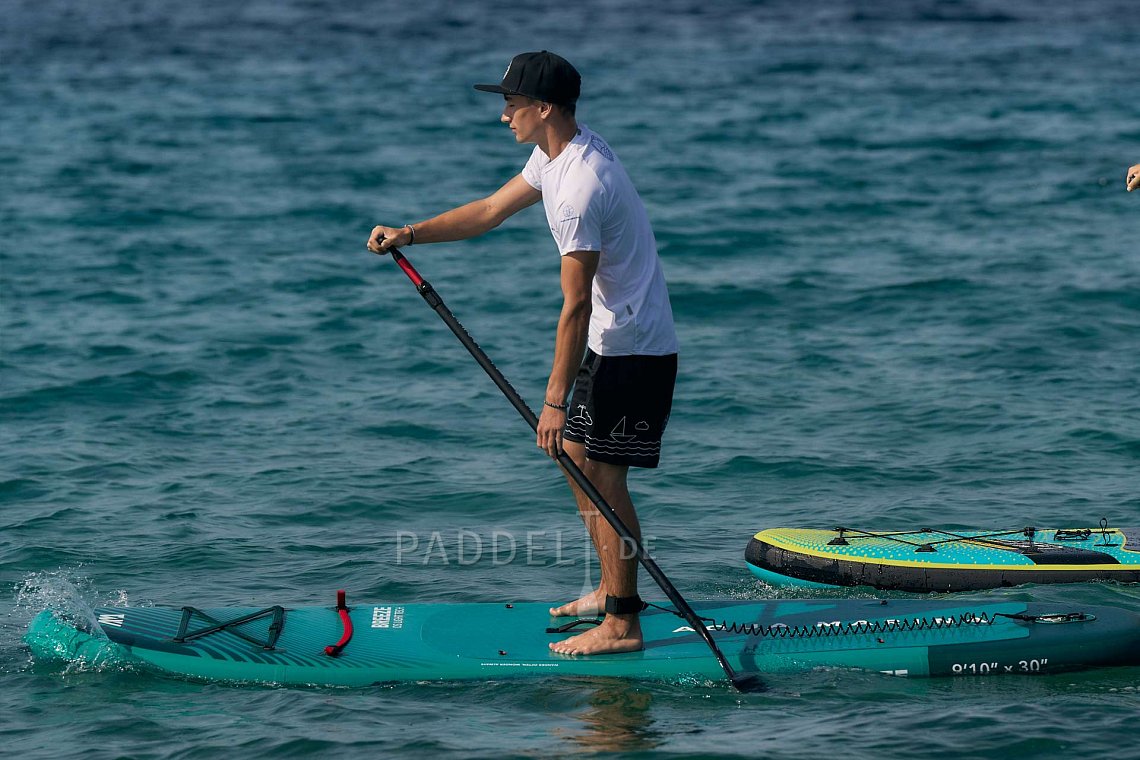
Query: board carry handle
(742, 681)
(334, 650)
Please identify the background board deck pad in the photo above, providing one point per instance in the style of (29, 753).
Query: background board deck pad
(935, 560)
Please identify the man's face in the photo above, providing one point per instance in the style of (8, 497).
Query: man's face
(522, 115)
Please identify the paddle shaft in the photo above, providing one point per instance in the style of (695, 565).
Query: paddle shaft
(435, 302)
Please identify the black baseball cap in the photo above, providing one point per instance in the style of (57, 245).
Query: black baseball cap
(543, 76)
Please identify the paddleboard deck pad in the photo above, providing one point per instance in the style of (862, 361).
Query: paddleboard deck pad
(368, 644)
(935, 560)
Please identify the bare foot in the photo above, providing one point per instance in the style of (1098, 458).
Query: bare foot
(591, 604)
(616, 634)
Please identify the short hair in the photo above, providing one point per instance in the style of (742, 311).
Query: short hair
(568, 109)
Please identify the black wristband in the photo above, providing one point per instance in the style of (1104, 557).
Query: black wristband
(559, 407)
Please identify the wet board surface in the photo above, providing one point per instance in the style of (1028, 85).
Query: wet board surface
(425, 642)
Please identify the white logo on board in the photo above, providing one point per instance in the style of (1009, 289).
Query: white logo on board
(690, 629)
(111, 619)
(387, 617)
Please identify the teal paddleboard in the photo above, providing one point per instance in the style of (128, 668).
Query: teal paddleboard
(943, 560)
(390, 642)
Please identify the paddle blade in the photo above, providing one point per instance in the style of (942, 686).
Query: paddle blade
(748, 683)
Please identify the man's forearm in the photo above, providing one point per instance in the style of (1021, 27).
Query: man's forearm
(569, 346)
(466, 221)
(462, 222)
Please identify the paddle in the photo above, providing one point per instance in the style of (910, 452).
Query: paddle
(743, 682)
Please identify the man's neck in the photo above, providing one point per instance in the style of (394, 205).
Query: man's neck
(557, 136)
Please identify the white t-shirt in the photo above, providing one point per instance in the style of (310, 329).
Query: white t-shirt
(591, 205)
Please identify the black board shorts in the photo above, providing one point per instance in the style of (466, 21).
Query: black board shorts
(620, 407)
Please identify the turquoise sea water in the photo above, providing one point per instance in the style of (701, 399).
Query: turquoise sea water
(903, 265)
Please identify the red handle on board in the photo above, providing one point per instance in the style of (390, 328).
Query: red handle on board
(334, 650)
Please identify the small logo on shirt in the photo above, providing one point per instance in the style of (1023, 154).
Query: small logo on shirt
(566, 212)
(601, 147)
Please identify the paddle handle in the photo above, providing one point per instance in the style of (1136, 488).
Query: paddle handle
(425, 289)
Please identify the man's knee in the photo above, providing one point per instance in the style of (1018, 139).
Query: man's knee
(605, 475)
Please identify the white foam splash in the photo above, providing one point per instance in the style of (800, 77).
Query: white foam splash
(61, 621)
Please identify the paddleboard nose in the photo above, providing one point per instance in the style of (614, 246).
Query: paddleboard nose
(52, 639)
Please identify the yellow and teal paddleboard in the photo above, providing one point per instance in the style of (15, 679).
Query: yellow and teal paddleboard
(374, 643)
(943, 560)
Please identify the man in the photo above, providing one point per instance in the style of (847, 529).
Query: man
(615, 312)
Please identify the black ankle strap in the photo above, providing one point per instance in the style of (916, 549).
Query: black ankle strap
(624, 605)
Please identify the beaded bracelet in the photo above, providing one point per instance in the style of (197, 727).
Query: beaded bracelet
(559, 407)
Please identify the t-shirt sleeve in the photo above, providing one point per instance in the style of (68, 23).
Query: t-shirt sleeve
(578, 225)
(532, 172)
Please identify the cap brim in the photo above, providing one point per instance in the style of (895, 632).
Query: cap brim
(497, 88)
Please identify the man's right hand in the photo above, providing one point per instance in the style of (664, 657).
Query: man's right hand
(549, 430)
(1133, 178)
(383, 238)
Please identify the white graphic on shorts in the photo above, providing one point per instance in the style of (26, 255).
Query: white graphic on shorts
(582, 417)
(617, 443)
(619, 434)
